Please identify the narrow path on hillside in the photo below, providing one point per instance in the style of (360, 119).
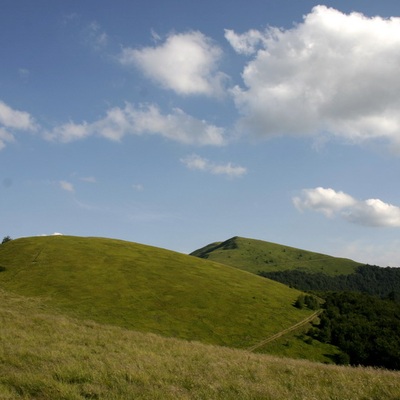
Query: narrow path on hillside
(300, 260)
(285, 331)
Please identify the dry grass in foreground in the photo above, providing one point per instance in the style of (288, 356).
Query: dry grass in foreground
(49, 356)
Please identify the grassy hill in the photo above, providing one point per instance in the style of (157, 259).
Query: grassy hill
(148, 289)
(46, 355)
(256, 255)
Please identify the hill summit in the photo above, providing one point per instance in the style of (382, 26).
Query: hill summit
(256, 255)
(148, 289)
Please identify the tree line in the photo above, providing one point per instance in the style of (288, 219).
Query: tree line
(370, 279)
(364, 327)
(361, 312)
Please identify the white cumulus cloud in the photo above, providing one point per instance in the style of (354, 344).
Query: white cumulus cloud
(374, 212)
(196, 162)
(333, 72)
(327, 201)
(186, 63)
(246, 43)
(370, 212)
(118, 122)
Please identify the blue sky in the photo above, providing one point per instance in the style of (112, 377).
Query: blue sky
(177, 124)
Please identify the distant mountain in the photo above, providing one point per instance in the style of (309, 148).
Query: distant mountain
(256, 256)
(148, 289)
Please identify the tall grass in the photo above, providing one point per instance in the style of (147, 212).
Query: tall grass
(49, 356)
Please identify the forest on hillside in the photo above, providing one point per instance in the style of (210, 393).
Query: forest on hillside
(364, 327)
(370, 279)
(361, 312)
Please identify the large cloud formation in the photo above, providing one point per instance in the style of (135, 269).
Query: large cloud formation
(118, 122)
(333, 73)
(185, 63)
(371, 212)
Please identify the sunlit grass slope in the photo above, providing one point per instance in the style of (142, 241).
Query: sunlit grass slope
(148, 289)
(48, 356)
(257, 255)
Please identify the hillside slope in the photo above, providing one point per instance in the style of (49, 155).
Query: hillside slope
(256, 255)
(45, 355)
(148, 289)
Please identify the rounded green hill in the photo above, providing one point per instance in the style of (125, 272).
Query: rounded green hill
(148, 289)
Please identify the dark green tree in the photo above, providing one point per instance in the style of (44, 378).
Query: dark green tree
(6, 239)
(299, 303)
(364, 327)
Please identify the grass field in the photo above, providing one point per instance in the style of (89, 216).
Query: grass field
(148, 289)
(48, 356)
(256, 255)
(299, 345)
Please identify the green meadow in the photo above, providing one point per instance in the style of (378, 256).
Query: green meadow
(256, 255)
(96, 318)
(149, 289)
(48, 356)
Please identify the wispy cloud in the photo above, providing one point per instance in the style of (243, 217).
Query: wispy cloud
(371, 252)
(88, 179)
(186, 63)
(196, 162)
(24, 73)
(246, 43)
(5, 137)
(138, 187)
(95, 36)
(13, 120)
(90, 34)
(67, 186)
(371, 212)
(118, 122)
(333, 72)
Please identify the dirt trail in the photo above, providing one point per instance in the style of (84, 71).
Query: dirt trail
(290, 329)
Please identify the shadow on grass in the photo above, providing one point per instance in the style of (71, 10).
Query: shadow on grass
(339, 358)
